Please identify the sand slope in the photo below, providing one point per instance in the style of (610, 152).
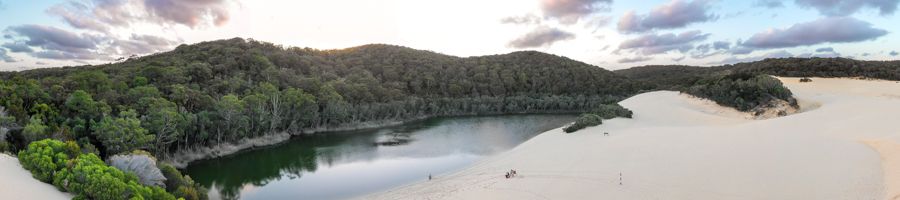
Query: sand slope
(17, 183)
(680, 147)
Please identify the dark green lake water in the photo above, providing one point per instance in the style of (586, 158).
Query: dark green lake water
(340, 165)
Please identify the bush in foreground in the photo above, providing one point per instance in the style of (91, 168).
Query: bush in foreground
(585, 120)
(182, 186)
(84, 175)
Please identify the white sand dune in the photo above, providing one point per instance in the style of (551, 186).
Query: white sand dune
(845, 144)
(17, 183)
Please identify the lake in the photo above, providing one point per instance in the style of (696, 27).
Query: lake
(347, 164)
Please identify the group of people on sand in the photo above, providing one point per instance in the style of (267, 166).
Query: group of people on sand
(511, 173)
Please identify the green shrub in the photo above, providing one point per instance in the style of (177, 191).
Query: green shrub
(86, 176)
(585, 120)
(742, 91)
(43, 158)
(609, 111)
(180, 185)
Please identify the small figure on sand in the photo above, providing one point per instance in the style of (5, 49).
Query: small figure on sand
(605, 133)
(620, 178)
(511, 173)
(429, 177)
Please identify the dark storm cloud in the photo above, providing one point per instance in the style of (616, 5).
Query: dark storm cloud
(541, 36)
(570, 11)
(825, 30)
(848, 7)
(656, 44)
(675, 14)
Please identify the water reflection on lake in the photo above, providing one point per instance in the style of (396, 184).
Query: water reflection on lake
(347, 164)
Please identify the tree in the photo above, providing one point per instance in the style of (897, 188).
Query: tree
(35, 130)
(230, 109)
(123, 133)
(165, 122)
(82, 109)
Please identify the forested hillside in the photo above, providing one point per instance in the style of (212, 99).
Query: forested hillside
(678, 76)
(223, 91)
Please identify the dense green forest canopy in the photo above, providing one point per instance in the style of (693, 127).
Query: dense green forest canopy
(223, 91)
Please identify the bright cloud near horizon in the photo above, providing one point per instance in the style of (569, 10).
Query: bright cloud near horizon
(612, 34)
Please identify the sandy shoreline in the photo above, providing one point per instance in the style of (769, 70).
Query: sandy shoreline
(17, 183)
(678, 147)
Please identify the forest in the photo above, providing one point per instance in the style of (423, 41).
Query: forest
(223, 91)
(678, 77)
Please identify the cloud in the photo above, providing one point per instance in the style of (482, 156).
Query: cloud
(104, 15)
(52, 38)
(59, 44)
(769, 3)
(18, 47)
(40, 63)
(824, 49)
(634, 60)
(848, 7)
(705, 50)
(825, 30)
(541, 36)
(570, 11)
(4, 57)
(721, 45)
(189, 13)
(894, 53)
(141, 44)
(675, 14)
(74, 15)
(528, 19)
(62, 55)
(656, 44)
(599, 21)
(820, 55)
(735, 59)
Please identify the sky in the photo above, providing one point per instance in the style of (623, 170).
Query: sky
(613, 34)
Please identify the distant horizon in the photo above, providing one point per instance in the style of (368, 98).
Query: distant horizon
(608, 33)
(438, 52)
